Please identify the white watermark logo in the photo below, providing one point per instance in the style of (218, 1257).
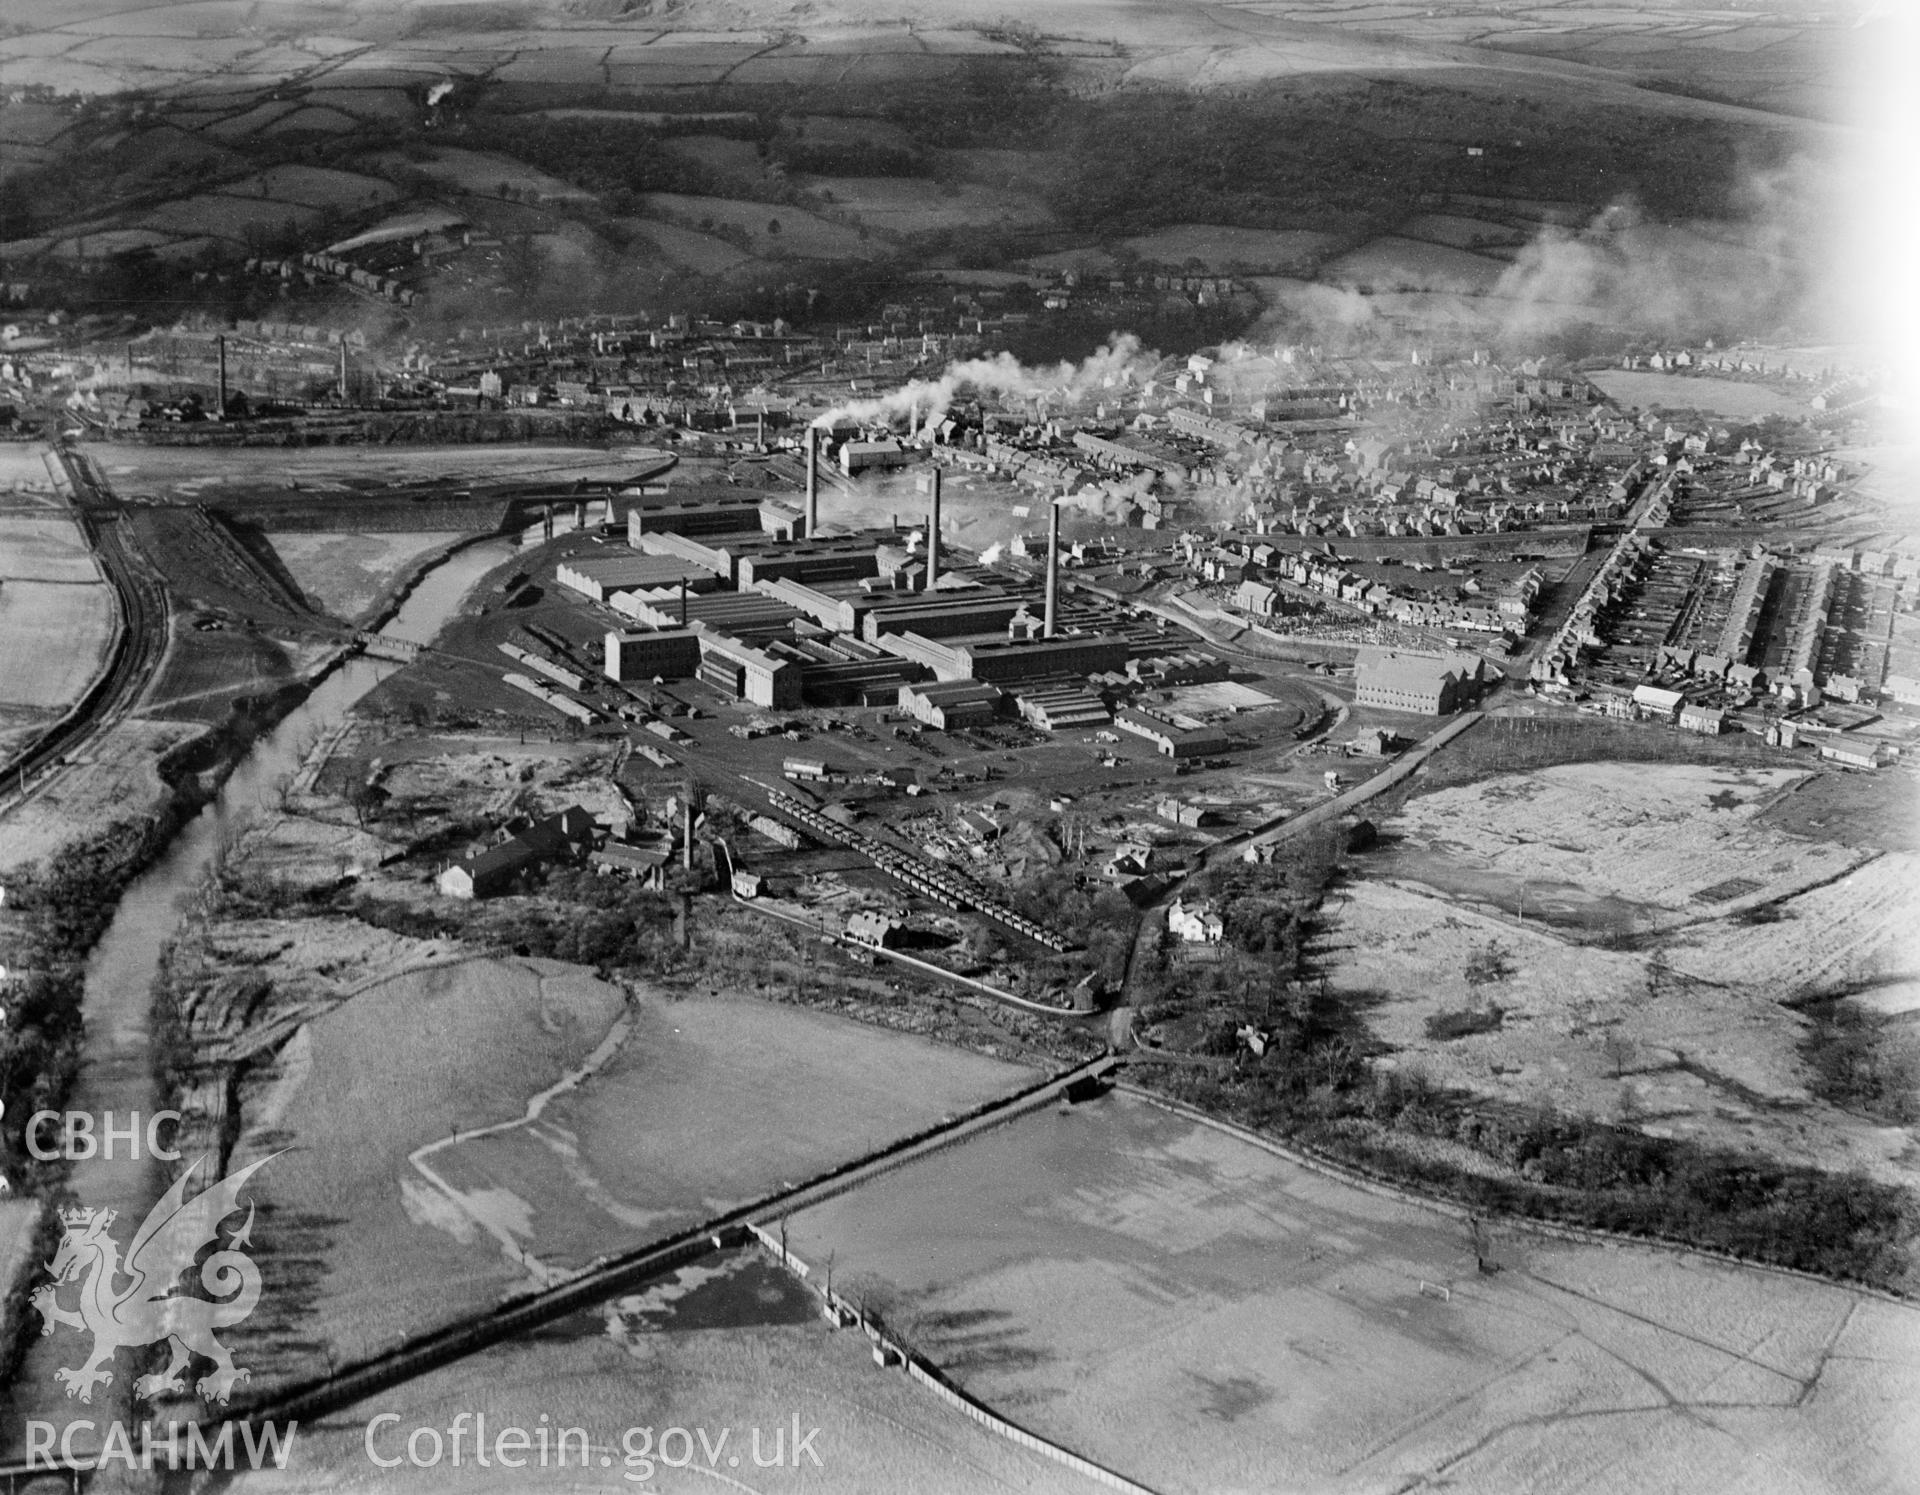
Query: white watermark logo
(146, 1309)
(643, 1451)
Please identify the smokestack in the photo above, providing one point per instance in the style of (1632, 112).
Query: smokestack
(343, 370)
(1053, 569)
(220, 344)
(933, 535)
(683, 602)
(686, 843)
(813, 480)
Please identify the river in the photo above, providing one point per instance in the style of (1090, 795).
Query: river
(116, 1076)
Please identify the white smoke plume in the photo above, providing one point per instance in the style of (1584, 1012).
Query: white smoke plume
(1759, 273)
(1120, 365)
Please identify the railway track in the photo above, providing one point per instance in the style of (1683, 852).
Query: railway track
(137, 649)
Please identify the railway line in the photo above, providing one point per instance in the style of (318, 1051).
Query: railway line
(141, 641)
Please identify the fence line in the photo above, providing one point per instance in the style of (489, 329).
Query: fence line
(887, 1351)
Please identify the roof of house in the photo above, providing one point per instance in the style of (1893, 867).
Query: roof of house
(1411, 671)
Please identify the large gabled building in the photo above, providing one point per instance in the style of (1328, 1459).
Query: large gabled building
(1430, 684)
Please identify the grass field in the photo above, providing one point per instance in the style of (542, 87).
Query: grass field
(791, 1091)
(482, 173)
(1205, 1316)
(347, 574)
(1695, 1043)
(879, 1433)
(800, 233)
(1615, 845)
(54, 637)
(1411, 265)
(1222, 248)
(702, 1104)
(689, 248)
(49, 548)
(908, 205)
(407, 1061)
(1728, 398)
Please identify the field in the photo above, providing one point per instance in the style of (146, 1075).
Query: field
(619, 1162)
(483, 174)
(1728, 398)
(54, 636)
(433, 1169)
(1879, 810)
(908, 205)
(689, 248)
(1696, 1042)
(659, 1361)
(1460, 233)
(33, 548)
(182, 475)
(1623, 941)
(1397, 264)
(409, 1060)
(798, 232)
(1220, 248)
(1203, 1315)
(347, 574)
(1617, 847)
(118, 778)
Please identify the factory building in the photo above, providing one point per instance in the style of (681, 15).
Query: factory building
(602, 576)
(1062, 708)
(952, 704)
(747, 673)
(1169, 737)
(660, 654)
(712, 513)
(742, 615)
(862, 456)
(1009, 661)
(977, 610)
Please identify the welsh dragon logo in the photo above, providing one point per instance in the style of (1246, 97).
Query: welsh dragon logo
(134, 1302)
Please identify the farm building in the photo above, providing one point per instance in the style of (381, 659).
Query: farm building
(1405, 680)
(529, 845)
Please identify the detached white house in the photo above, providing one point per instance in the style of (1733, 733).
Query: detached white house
(1197, 925)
